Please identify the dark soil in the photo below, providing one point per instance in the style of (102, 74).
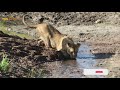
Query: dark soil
(25, 54)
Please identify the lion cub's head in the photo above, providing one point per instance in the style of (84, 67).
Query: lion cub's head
(70, 48)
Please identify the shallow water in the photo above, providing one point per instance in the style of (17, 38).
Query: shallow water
(85, 59)
(74, 68)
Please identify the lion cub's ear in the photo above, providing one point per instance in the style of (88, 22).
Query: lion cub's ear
(68, 45)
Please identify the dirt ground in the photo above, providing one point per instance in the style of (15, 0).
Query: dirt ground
(25, 55)
(99, 31)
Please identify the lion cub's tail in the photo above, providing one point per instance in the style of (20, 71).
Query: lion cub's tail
(30, 26)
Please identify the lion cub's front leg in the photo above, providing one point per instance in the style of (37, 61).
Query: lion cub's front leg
(47, 42)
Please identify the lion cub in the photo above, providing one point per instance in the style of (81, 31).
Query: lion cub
(54, 39)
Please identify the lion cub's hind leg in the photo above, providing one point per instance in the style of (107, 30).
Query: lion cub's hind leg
(46, 41)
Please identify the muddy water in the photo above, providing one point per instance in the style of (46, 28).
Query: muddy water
(74, 68)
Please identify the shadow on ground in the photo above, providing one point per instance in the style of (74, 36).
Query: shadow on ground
(103, 55)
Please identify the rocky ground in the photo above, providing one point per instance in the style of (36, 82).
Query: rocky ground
(67, 18)
(100, 30)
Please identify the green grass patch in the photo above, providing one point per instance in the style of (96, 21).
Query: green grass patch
(3, 28)
(4, 64)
